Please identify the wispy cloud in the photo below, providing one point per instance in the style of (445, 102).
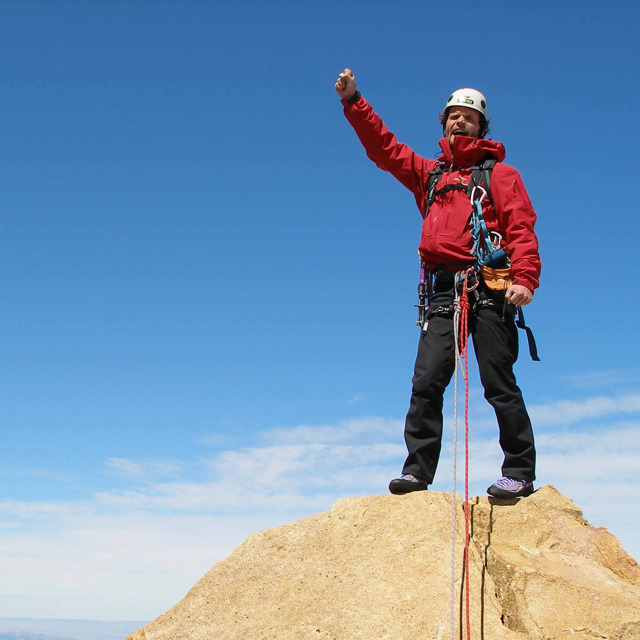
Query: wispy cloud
(27, 510)
(114, 565)
(30, 472)
(371, 428)
(142, 469)
(283, 478)
(176, 518)
(565, 412)
(603, 379)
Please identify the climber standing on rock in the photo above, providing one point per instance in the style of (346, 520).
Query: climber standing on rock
(489, 248)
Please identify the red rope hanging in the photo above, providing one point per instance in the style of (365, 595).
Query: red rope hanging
(461, 331)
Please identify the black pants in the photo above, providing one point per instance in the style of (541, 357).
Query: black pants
(495, 342)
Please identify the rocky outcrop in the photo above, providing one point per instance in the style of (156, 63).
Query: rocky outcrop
(379, 568)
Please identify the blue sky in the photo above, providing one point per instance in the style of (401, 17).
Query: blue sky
(207, 295)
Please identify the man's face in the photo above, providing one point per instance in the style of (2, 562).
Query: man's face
(462, 121)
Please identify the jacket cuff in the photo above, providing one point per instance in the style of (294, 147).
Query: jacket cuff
(525, 282)
(353, 99)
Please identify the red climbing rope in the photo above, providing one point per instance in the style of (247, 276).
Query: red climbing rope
(461, 333)
(464, 353)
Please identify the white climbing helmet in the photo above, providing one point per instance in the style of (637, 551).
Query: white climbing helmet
(469, 98)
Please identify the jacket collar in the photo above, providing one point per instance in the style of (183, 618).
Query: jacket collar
(468, 152)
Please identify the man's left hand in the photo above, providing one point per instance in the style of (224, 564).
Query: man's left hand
(518, 295)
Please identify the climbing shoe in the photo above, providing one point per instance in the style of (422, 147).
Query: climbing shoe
(510, 488)
(406, 483)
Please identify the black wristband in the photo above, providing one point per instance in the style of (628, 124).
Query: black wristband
(354, 98)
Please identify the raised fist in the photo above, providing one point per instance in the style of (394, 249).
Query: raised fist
(346, 84)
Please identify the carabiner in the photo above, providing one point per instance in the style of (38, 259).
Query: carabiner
(473, 194)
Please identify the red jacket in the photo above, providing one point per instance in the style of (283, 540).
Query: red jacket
(446, 231)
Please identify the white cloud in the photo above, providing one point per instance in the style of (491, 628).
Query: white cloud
(345, 431)
(134, 553)
(286, 477)
(28, 510)
(116, 566)
(566, 412)
(142, 469)
(46, 474)
(600, 379)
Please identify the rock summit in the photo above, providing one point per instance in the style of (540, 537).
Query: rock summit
(379, 568)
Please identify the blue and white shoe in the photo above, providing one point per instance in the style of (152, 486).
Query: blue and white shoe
(510, 488)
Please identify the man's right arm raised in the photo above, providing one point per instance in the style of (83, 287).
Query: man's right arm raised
(380, 144)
